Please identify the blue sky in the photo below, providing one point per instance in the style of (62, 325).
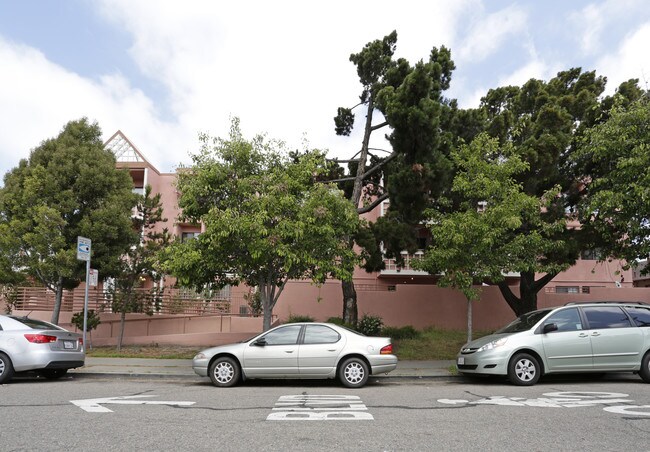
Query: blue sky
(163, 71)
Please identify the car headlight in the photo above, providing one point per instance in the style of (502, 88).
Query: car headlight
(493, 344)
(200, 356)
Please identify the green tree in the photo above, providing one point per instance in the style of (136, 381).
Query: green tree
(409, 104)
(267, 219)
(68, 187)
(141, 261)
(544, 121)
(614, 158)
(474, 243)
(92, 322)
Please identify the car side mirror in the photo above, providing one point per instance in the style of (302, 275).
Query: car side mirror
(549, 327)
(260, 342)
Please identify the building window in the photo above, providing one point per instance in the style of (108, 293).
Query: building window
(189, 236)
(591, 255)
(567, 289)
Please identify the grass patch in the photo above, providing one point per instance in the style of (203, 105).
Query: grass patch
(145, 351)
(430, 344)
(433, 344)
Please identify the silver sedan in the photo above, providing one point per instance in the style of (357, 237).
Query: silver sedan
(34, 345)
(299, 350)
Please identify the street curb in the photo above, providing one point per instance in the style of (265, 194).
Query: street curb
(140, 376)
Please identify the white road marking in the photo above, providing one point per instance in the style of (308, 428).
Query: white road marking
(95, 405)
(319, 408)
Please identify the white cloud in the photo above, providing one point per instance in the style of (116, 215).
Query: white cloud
(43, 97)
(594, 20)
(630, 60)
(489, 33)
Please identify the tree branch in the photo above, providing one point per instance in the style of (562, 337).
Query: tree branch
(379, 126)
(373, 204)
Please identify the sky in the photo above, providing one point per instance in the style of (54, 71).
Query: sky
(163, 71)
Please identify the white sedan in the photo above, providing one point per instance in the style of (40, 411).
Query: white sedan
(34, 345)
(299, 350)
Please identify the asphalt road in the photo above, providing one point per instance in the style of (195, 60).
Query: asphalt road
(111, 414)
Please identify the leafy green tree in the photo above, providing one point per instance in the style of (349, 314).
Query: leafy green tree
(544, 121)
(411, 109)
(68, 187)
(475, 243)
(141, 261)
(267, 220)
(92, 322)
(614, 158)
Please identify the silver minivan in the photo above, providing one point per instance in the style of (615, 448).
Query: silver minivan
(578, 337)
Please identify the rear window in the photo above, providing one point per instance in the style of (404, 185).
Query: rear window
(35, 324)
(641, 316)
(606, 317)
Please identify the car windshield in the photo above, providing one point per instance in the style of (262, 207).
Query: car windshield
(524, 322)
(35, 324)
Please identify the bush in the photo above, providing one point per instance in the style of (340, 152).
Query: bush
(405, 332)
(299, 318)
(370, 325)
(339, 321)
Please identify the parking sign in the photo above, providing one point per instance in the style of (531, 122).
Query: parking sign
(83, 248)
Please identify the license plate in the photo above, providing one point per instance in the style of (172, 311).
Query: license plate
(461, 360)
(69, 345)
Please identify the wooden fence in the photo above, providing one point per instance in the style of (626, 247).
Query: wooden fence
(171, 301)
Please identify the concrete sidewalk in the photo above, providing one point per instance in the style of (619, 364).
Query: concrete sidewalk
(182, 368)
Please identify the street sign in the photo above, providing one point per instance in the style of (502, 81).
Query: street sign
(83, 248)
(93, 277)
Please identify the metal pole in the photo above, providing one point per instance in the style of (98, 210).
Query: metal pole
(86, 301)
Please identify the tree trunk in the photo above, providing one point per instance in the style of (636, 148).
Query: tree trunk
(350, 312)
(57, 301)
(528, 289)
(469, 320)
(122, 325)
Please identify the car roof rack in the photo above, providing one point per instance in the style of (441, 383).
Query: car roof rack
(642, 303)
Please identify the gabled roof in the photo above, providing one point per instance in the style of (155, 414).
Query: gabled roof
(123, 149)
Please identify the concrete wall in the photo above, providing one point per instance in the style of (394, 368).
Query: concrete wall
(428, 305)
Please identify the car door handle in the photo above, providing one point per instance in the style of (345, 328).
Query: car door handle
(288, 351)
(595, 334)
(583, 335)
(331, 350)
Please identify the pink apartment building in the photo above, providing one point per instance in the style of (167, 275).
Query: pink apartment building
(400, 295)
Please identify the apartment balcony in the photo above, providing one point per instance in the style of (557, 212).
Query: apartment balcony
(392, 269)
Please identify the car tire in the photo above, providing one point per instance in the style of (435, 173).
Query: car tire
(6, 368)
(524, 370)
(53, 374)
(644, 372)
(354, 373)
(224, 372)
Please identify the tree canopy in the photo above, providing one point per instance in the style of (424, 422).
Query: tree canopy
(614, 158)
(68, 187)
(266, 217)
(408, 101)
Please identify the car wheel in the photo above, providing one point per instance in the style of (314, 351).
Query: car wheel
(224, 372)
(53, 374)
(644, 372)
(354, 373)
(6, 368)
(524, 370)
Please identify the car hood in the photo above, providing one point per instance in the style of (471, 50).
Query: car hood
(228, 348)
(486, 340)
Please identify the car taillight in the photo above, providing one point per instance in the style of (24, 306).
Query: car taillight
(40, 338)
(387, 350)
(81, 341)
